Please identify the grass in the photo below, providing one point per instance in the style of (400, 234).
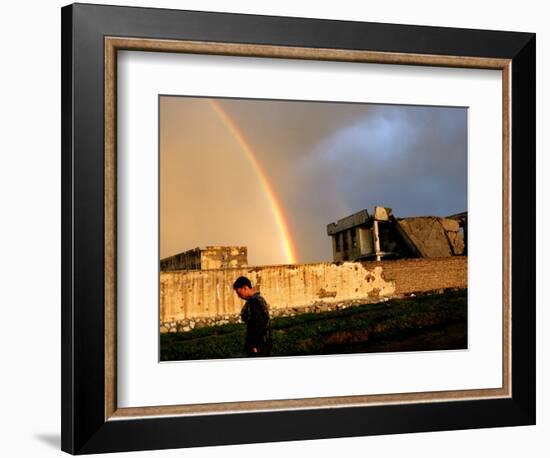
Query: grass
(434, 322)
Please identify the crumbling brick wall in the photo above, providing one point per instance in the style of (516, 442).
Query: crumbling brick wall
(427, 274)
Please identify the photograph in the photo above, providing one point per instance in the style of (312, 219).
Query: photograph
(297, 227)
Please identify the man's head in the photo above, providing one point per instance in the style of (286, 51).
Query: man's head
(243, 287)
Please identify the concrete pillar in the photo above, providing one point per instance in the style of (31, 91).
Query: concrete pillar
(376, 240)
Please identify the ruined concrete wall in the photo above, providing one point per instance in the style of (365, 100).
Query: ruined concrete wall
(211, 257)
(190, 259)
(433, 236)
(209, 293)
(366, 246)
(216, 257)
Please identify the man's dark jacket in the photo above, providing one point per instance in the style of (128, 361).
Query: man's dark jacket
(255, 313)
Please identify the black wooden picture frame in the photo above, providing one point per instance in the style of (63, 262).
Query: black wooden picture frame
(87, 426)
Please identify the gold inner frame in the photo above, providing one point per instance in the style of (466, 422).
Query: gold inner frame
(112, 45)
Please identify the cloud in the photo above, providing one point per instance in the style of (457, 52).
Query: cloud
(394, 154)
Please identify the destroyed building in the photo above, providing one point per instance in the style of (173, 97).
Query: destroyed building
(211, 257)
(363, 236)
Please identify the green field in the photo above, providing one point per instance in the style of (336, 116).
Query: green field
(431, 322)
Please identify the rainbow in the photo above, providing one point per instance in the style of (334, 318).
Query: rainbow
(276, 208)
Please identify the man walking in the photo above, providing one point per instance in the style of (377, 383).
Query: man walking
(255, 313)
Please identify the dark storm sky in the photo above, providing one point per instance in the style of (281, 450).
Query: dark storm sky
(323, 160)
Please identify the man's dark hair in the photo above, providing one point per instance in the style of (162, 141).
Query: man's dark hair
(242, 281)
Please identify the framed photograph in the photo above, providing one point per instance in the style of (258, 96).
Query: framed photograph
(285, 228)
